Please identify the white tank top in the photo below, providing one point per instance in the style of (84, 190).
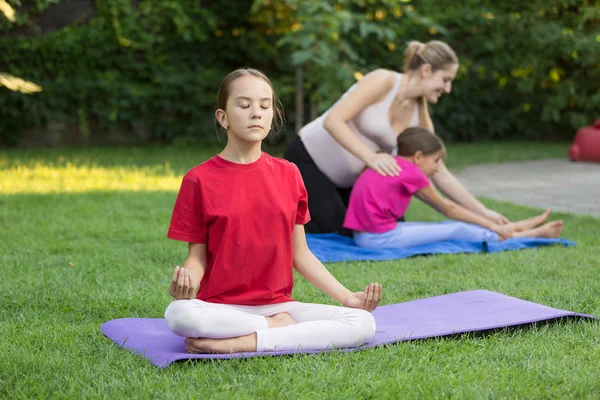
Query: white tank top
(371, 126)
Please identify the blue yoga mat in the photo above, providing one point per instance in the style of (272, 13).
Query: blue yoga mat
(330, 247)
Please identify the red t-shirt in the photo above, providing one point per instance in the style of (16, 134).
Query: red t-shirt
(245, 214)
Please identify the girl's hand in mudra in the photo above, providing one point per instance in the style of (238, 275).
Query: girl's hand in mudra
(367, 300)
(384, 164)
(181, 285)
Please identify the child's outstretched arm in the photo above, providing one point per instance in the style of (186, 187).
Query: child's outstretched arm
(315, 272)
(186, 280)
(452, 210)
(445, 181)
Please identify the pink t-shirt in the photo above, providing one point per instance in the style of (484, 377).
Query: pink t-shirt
(377, 202)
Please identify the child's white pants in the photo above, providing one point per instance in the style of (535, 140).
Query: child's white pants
(318, 326)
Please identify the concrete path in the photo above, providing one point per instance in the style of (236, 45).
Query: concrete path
(558, 184)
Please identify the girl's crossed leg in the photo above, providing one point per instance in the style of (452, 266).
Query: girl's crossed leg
(225, 328)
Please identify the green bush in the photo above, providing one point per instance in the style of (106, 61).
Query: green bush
(528, 70)
(158, 65)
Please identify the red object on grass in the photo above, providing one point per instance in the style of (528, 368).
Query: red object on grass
(586, 145)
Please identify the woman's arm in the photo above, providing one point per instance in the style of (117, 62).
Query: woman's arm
(186, 280)
(451, 187)
(451, 210)
(315, 272)
(369, 90)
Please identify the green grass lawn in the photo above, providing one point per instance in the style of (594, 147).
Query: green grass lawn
(83, 241)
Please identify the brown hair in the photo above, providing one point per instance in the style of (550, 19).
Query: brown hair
(436, 53)
(419, 139)
(224, 93)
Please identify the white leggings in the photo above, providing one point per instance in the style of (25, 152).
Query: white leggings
(409, 234)
(318, 326)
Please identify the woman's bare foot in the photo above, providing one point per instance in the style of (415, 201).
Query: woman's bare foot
(279, 320)
(237, 344)
(530, 223)
(549, 230)
(221, 346)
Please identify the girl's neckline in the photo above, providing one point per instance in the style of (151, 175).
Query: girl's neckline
(232, 164)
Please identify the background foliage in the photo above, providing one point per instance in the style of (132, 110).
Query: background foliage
(150, 69)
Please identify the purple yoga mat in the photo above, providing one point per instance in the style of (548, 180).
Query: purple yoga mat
(472, 311)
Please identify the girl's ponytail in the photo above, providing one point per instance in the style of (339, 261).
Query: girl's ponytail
(411, 55)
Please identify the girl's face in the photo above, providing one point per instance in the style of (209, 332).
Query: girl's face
(438, 82)
(249, 111)
(429, 164)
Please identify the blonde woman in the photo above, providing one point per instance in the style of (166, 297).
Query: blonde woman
(361, 128)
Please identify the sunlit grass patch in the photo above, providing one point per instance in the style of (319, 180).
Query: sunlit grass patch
(70, 178)
(161, 168)
(97, 169)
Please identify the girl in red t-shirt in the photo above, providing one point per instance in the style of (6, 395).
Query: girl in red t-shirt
(242, 214)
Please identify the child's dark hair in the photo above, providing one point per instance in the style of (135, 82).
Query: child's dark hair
(225, 91)
(419, 139)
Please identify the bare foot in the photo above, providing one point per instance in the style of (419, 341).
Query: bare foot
(237, 344)
(530, 223)
(279, 320)
(221, 346)
(549, 230)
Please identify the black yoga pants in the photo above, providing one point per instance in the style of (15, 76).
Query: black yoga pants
(326, 203)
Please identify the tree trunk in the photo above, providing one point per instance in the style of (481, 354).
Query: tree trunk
(299, 98)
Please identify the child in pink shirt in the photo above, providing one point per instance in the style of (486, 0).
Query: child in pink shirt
(377, 202)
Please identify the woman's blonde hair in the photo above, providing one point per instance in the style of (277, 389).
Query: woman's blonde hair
(436, 53)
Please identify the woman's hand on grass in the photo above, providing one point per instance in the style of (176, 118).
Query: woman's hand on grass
(367, 299)
(181, 284)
